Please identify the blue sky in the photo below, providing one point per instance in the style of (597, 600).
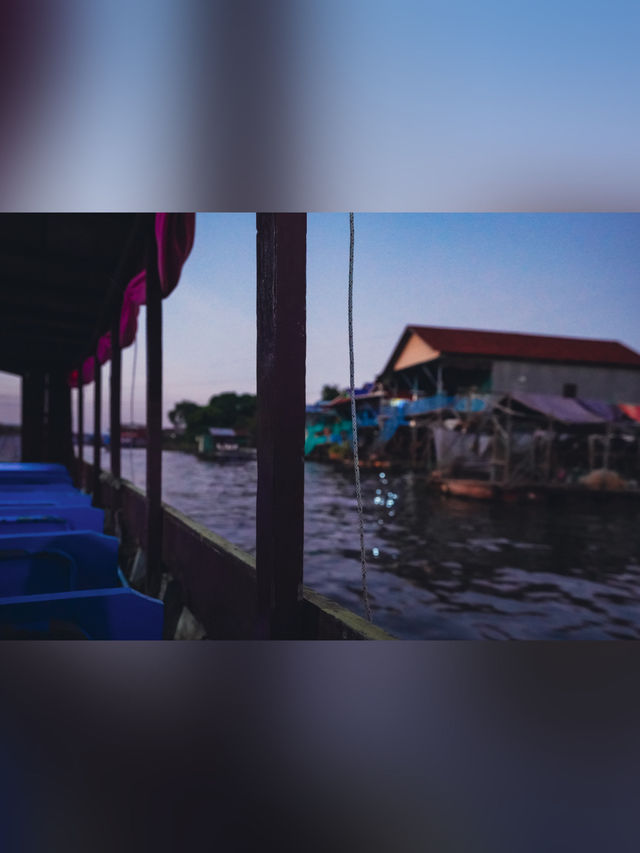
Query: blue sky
(564, 274)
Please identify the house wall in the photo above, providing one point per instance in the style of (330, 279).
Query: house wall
(416, 351)
(611, 384)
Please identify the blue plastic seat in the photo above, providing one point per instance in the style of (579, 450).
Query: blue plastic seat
(33, 472)
(103, 614)
(51, 494)
(24, 518)
(58, 562)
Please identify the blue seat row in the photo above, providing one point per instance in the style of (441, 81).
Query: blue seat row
(59, 574)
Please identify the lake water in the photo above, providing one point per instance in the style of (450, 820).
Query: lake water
(438, 567)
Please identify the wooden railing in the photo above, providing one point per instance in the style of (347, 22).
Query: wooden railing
(215, 579)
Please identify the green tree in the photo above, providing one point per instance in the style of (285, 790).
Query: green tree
(329, 392)
(231, 410)
(186, 415)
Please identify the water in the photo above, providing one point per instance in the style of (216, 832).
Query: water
(438, 568)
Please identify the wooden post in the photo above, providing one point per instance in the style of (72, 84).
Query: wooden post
(507, 449)
(281, 352)
(80, 429)
(414, 443)
(607, 447)
(32, 430)
(547, 460)
(97, 427)
(154, 421)
(59, 432)
(116, 382)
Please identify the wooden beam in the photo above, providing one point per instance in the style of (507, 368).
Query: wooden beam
(116, 388)
(32, 433)
(59, 433)
(281, 352)
(80, 467)
(97, 427)
(154, 419)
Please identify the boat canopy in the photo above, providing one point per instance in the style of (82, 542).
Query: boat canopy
(64, 275)
(174, 234)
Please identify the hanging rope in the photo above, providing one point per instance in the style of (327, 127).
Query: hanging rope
(354, 427)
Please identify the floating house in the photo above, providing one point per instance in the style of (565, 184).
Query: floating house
(133, 435)
(224, 443)
(511, 408)
(329, 428)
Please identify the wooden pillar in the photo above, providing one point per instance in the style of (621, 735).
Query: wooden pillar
(547, 458)
(507, 452)
(97, 428)
(607, 447)
(281, 352)
(59, 432)
(154, 421)
(116, 383)
(32, 416)
(80, 429)
(413, 449)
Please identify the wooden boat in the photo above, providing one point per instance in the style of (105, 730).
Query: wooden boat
(107, 266)
(527, 492)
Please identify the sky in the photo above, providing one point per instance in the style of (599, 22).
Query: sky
(562, 274)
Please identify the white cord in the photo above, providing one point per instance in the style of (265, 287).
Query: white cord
(354, 427)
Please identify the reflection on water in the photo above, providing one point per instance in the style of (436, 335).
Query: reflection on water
(438, 568)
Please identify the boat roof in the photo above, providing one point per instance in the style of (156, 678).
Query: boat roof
(61, 275)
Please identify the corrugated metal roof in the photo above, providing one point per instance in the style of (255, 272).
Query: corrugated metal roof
(517, 345)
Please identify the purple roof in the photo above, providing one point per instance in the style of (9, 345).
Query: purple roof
(566, 409)
(607, 411)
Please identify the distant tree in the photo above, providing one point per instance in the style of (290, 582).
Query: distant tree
(329, 392)
(235, 411)
(185, 415)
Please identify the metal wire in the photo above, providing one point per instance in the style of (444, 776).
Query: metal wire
(354, 427)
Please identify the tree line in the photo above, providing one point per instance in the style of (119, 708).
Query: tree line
(230, 410)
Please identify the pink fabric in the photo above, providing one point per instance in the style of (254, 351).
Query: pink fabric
(174, 237)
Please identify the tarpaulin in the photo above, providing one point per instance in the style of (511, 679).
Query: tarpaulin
(631, 409)
(607, 411)
(452, 446)
(174, 239)
(566, 409)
